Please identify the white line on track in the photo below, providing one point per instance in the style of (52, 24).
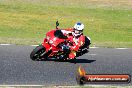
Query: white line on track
(34, 45)
(21, 85)
(90, 47)
(121, 48)
(92, 54)
(38, 45)
(5, 44)
(43, 86)
(94, 47)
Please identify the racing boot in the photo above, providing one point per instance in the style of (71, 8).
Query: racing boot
(72, 55)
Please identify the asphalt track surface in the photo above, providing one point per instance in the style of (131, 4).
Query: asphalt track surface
(16, 68)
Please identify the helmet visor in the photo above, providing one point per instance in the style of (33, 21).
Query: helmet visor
(77, 31)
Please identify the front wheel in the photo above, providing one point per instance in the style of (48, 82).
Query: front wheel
(38, 53)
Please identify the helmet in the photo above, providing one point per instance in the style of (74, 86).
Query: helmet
(78, 29)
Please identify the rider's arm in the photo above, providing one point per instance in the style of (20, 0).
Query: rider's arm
(77, 45)
(67, 31)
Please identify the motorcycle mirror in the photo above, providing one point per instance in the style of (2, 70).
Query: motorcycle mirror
(57, 24)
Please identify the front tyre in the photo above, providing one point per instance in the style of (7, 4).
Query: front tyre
(38, 53)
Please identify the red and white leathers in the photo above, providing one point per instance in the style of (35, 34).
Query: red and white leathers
(77, 41)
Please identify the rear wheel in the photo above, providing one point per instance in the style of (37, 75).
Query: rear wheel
(86, 44)
(38, 53)
(84, 48)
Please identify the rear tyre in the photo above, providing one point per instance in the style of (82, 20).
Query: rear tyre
(84, 48)
(38, 53)
(86, 44)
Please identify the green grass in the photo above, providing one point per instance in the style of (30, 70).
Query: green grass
(107, 22)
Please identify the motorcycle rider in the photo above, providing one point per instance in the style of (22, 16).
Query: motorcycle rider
(75, 35)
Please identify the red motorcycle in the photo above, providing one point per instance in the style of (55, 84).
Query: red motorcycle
(56, 45)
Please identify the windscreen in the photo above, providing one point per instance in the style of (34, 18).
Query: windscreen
(59, 34)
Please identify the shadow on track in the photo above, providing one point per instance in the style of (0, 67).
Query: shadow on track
(72, 61)
(83, 61)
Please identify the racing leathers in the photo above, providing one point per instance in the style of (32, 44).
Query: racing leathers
(76, 41)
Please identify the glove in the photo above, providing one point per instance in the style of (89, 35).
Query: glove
(65, 48)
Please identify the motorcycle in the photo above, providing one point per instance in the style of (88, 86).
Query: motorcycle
(56, 46)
